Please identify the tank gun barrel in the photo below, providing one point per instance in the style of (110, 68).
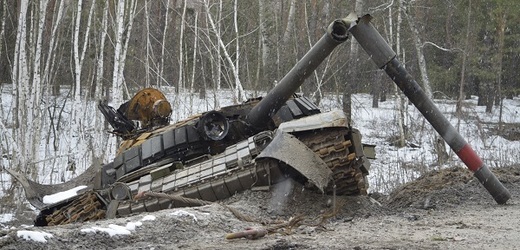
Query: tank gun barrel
(337, 33)
(385, 58)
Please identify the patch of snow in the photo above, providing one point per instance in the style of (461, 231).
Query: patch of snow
(6, 218)
(88, 230)
(113, 229)
(182, 213)
(133, 225)
(57, 197)
(34, 235)
(148, 218)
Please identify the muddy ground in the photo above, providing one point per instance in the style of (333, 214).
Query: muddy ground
(445, 209)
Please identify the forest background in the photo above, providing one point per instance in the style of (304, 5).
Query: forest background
(60, 57)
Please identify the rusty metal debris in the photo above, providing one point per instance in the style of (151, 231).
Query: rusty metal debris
(250, 234)
(255, 233)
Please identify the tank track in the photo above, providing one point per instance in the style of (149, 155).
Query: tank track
(335, 147)
(220, 177)
(87, 207)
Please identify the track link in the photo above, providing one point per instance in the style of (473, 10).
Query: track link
(335, 147)
(85, 208)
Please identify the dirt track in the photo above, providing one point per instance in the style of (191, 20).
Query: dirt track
(446, 209)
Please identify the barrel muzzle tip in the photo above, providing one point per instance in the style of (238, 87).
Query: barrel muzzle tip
(493, 185)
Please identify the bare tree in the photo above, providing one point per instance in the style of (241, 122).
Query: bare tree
(2, 26)
(501, 28)
(180, 81)
(234, 68)
(35, 112)
(290, 22)
(194, 66)
(218, 34)
(438, 142)
(160, 77)
(401, 99)
(269, 59)
(458, 108)
(239, 89)
(20, 78)
(351, 86)
(148, 44)
(419, 48)
(101, 150)
(121, 40)
(77, 112)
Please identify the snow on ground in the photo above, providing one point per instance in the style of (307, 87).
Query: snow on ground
(111, 230)
(6, 218)
(38, 236)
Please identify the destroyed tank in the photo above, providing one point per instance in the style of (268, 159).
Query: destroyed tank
(213, 155)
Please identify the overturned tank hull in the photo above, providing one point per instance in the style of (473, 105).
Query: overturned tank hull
(213, 155)
(327, 159)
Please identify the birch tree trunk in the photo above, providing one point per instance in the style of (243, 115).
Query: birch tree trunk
(351, 86)
(213, 50)
(379, 89)
(125, 15)
(52, 147)
(465, 54)
(401, 100)
(98, 92)
(438, 142)
(117, 75)
(2, 28)
(232, 65)
(120, 50)
(420, 54)
(219, 55)
(317, 94)
(290, 22)
(501, 27)
(261, 53)
(270, 61)
(20, 78)
(36, 111)
(194, 68)
(239, 90)
(160, 77)
(75, 127)
(129, 20)
(180, 83)
(2, 34)
(79, 116)
(50, 64)
(148, 45)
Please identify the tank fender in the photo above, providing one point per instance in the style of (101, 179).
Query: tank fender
(35, 192)
(288, 149)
